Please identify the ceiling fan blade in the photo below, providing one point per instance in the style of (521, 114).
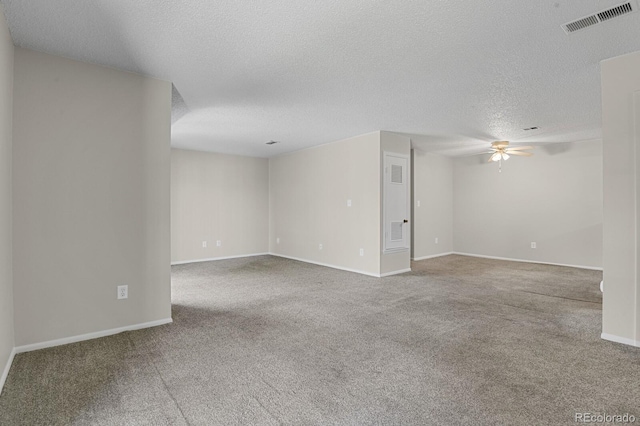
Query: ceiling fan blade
(524, 154)
(517, 148)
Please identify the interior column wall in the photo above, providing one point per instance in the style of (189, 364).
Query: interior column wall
(325, 204)
(91, 178)
(6, 275)
(620, 123)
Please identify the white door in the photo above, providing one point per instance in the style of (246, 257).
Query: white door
(396, 202)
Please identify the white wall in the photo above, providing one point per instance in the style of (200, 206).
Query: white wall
(620, 124)
(309, 190)
(91, 178)
(553, 198)
(218, 197)
(433, 188)
(6, 281)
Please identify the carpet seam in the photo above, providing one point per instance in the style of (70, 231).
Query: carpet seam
(155, 367)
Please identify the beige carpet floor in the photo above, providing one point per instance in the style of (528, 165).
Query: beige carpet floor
(266, 340)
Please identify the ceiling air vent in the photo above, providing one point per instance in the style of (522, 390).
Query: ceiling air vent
(596, 18)
(615, 11)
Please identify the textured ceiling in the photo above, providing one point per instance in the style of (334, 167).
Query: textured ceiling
(453, 74)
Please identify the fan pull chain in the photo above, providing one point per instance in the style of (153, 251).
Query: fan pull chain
(500, 166)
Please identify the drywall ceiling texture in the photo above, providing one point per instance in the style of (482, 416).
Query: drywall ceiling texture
(91, 179)
(6, 278)
(306, 73)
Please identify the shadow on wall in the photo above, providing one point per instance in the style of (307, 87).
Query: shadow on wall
(179, 107)
(557, 148)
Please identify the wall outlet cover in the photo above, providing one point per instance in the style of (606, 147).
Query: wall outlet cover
(123, 292)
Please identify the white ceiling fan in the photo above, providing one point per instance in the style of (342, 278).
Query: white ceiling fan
(500, 151)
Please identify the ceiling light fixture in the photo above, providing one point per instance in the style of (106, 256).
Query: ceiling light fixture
(500, 151)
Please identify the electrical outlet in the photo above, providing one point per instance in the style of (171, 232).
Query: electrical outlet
(123, 292)
(219, 243)
(319, 246)
(361, 252)
(436, 240)
(533, 245)
(204, 244)
(418, 203)
(277, 240)
(348, 203)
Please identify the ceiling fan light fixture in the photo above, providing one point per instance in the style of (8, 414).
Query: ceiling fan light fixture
(495, 156)
(505, 156)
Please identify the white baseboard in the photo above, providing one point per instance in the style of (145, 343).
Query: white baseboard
(7, 367)
(89, 336)
(618, 339)
(432, 256)
(401, 271)
(182, 262)
(593, 268)
(327, 265)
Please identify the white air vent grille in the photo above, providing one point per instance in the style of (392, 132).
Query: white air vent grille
(396, 231)
(581, 23)
(615, 11)
(396, 173)
(596, 18)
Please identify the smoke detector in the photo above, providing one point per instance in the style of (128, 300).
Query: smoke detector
(599, 17)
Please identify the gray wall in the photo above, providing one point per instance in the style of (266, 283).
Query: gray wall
(620, 124)
(433, 188)
(218, 197)
(6, 286)
(553, 198)
(91, 176)
(309, 190)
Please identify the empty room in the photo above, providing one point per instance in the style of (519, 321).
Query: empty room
(356, 212)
